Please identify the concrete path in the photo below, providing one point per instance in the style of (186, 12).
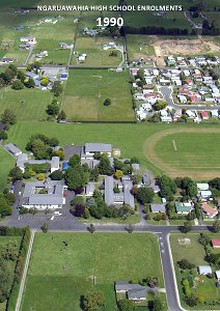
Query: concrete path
(23, 280)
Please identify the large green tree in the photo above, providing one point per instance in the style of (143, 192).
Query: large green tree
(93, 301)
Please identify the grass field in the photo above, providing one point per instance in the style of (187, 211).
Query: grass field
(86, 91)
(195, 254)
(189, 152)
(139, 44)
(62, 282)
(28, 104)
(96, 56)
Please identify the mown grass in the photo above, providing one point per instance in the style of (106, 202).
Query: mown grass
(61, 283)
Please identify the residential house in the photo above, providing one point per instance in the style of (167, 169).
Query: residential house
(209, 210)
(23, 160)
(204, 270)
(183, 208)
(158, 208)
(215, 243)
(90, 149)
(30, 40)
(135, 292)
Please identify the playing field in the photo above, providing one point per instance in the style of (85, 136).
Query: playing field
(86, 91)
(86, 262)
(186, 152)
(28, 104)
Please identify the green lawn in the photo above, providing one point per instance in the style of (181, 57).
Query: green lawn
(195, 254)
(86, 91)
(139, 44)
(7, 162)
(62, 282)
(28, 104)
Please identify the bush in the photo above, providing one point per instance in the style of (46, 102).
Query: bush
(17, 85)
(107, 102)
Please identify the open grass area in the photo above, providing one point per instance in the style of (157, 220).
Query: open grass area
(89, 261)
(28, 104)
(195, 254)
(139, 44)
(86, 91)
(7, 162)
(96, 56)
(189, 152)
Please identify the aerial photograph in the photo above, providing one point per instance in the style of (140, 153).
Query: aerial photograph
(109, 155)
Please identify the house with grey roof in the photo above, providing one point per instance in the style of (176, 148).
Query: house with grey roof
(43, 195)
(135, 292)
(13, 149)
(90, 149)
(123, 197)
(204, 270)
(158, 208)
(137, 295)
(23, 160)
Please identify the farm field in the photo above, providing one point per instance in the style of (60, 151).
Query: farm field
(86, 91)
(189, 152)
(28, 104)
(100, 257)
(139, 44)
(195, 254)
(96, 56)
(133, 140)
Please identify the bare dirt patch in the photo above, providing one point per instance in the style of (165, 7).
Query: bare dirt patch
(184, 47)
(172, 171)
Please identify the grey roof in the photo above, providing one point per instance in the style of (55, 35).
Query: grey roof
(109, 194)
(146, 178)
(22, 158)
(126, 286)
(135, 166)
(205, 269)
(54, 194)
(90, 187)
(55, 161)
(156, 208)
(98, 147)
(12, 148)
(139, 293)
(92, 163)
(128, 197)
(70, 150)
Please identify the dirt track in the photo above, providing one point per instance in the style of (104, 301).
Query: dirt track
(149, 151)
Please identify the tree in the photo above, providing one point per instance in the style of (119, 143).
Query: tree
(59, 153)
(159, 105)
(91, 228)
(44, 81)
(6, 279)
(5, 208)
(17, 85)
(56, 175)
(126, 305)
(3, 135)
(186, 227)
(9, 117)
(130, 228)
(93, 300)
(140, 74)
(216, 226)
(61, 116)
(74, 160)
(107, 102)
(53, 109)
(30, 83)
(76, 177)
(16, 173)
(13, 68)
(145, 195)
(191, 300)
(94, 174)
(158, 305)
(118, 174)
(185, 264)
(57, 88)
(104, 166)
(152, 282)
(21, 75)
(44, 228)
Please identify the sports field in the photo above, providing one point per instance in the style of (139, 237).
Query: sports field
(186, 152)
(86, 91)
(88, 261)
(28, 104)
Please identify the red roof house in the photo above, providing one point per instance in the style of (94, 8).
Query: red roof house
(216, 243)
(205, 115)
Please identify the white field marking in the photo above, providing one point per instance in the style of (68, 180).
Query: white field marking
(174, 145)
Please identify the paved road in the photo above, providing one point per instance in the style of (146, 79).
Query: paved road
(167, 93)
